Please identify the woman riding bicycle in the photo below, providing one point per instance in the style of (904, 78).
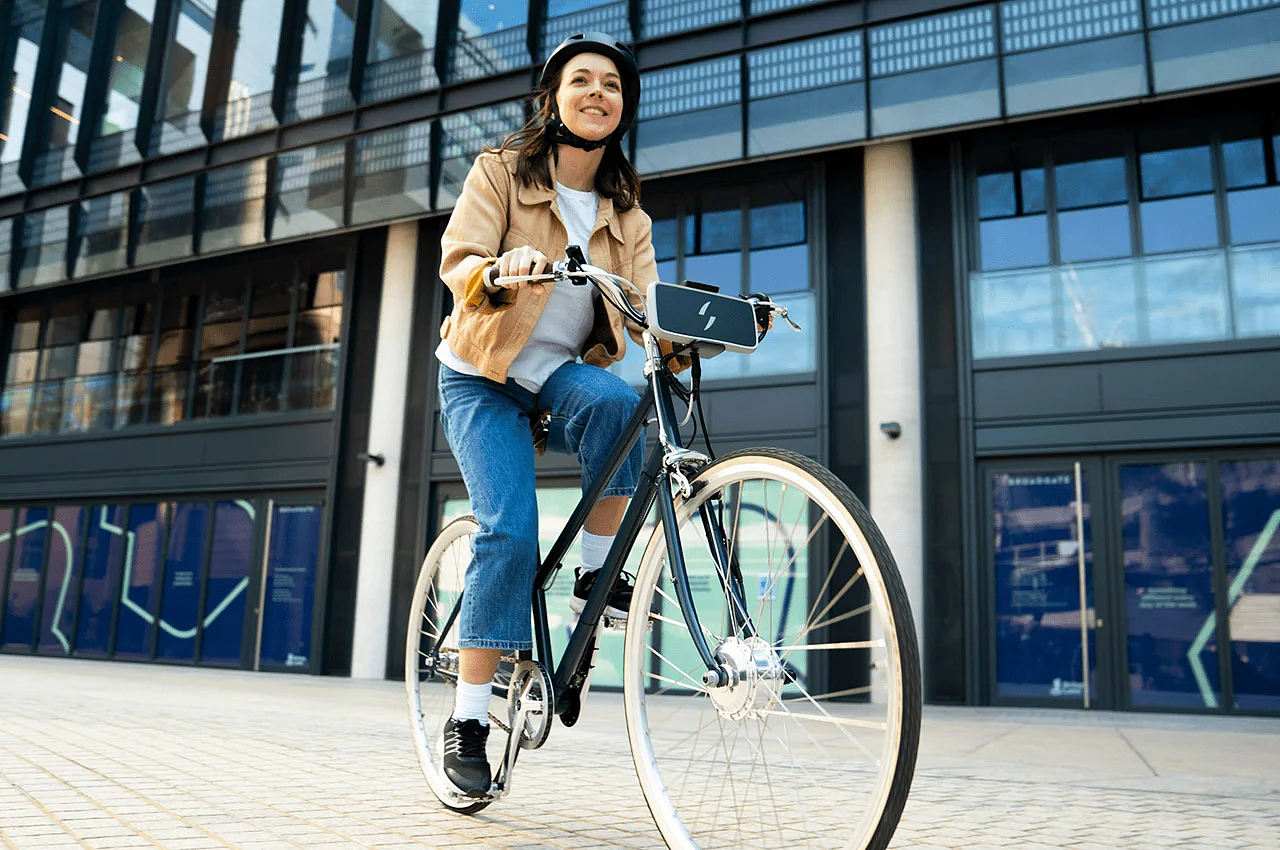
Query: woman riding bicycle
(510, 354)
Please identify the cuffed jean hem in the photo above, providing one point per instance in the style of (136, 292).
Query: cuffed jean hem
(509, 645)
(615, 492)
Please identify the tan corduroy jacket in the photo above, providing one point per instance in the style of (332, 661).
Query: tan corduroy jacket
(496, 213)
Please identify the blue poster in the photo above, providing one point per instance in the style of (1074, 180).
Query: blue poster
(29, 534)
(183, 576)
(229, 563)
(59, 584)
(293, 551)
(103, 555)
(144, 536)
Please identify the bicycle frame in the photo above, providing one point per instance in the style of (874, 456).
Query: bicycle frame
(655, 486)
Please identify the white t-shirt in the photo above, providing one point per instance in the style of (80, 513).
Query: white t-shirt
(566, 320)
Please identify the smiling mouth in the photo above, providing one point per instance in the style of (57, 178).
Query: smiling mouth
(594, 110)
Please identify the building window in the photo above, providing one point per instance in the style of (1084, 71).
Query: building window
(322, 82)
(65, 112)
(25, 27)
(491, 39)
(690, 115)
(742, 239)
(663, 17)
(1156, 237)
(253, 72)
(401, 56)
(132, 44)
(186, 63)
(257, 339)
(567, 17)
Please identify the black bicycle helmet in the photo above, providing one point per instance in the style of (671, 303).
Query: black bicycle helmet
(605, 45)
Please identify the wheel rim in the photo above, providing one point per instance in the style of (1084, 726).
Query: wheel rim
(790, 764)
(439, 587)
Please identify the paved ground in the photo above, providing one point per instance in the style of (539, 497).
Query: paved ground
(117, 755)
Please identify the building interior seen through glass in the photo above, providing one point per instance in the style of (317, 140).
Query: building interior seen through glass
(173, 580)
(1186, 596)
(1161, 235)
(265, 338)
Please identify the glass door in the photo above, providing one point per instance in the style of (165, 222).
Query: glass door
(1040, 557)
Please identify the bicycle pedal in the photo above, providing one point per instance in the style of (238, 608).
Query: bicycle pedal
(613, 624)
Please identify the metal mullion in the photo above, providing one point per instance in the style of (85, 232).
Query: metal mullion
(73, 637)
(41, 92)
(271, 197)
(348, 179)
(222, 56)
(288, 56)
(34, 646)
(1221, 587)
(536, 19)
(5, 564)
(1219, 170)
(197, 341)
(162, 570)
(157, 326)
(290, 337)
(249, 626)
(360, 48)
(997, 15)
(119, 592)
(244, 336)
(205, 564)
(98, 76)
(1055, 251)
(744, 94)
(744, 238)
(1133, 185)
(163, 26)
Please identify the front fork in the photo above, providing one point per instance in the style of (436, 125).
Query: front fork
(679, 466)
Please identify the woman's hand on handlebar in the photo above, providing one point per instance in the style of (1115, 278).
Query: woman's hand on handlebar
(524, 260)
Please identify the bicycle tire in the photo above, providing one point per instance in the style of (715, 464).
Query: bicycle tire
(701, 819)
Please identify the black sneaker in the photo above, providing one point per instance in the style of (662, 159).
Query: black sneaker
(619, 599)
(465, 763)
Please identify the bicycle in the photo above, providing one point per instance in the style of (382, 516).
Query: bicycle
(714, 681)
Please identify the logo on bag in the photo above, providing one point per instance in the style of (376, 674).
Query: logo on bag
(711, 321)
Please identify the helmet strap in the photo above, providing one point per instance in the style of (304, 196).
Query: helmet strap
(562, 135)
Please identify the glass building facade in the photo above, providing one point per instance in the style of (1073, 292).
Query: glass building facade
(195, 202)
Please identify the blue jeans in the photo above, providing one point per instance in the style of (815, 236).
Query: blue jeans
(488, 428)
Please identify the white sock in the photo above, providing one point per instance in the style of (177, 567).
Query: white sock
(471, 702)
(595, 548)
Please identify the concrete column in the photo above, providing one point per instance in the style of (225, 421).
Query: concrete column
(386, 437)
(893, 362)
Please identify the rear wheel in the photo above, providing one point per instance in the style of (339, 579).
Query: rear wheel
(814, 742)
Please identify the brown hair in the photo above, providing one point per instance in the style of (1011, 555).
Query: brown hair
(616, 179)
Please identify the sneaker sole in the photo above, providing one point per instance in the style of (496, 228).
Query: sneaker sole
(576, 605)
(466, 795)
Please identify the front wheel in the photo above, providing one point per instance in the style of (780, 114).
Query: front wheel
(813, 741)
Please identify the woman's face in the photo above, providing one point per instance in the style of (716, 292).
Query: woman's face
(590, 96)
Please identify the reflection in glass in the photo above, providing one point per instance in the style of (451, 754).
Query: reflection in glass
(663, 17)
(401, 58)
(1090, 183)
(392, 174)
(29, 538)
(1036, 560)
(1008, 243)
(1179, 224)
(115, 145)
(1251, 535)
(806, 94)
(57, 619)
(253, 71)
(1254, 272)
(1168, 568)
(229, 565)
(491, 39)
(783, 352)
(938, 97)
(44, 246)
(1254, 215)
(183, 578)
(465, 135)
(75, 42)
(690, 115)
(182, 86)
(1205, 53)
(1074, 74)
(1094, 234)
(104, 234)
(308, 190)
(1178, 171)
(567, 17)
(1100, 306)
(234, 210)
(322, 85)
(103, 553)
(135, 623)
(1014, 314)
(6, 253)
(166, 219)
(291, 561)
(24, 41)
